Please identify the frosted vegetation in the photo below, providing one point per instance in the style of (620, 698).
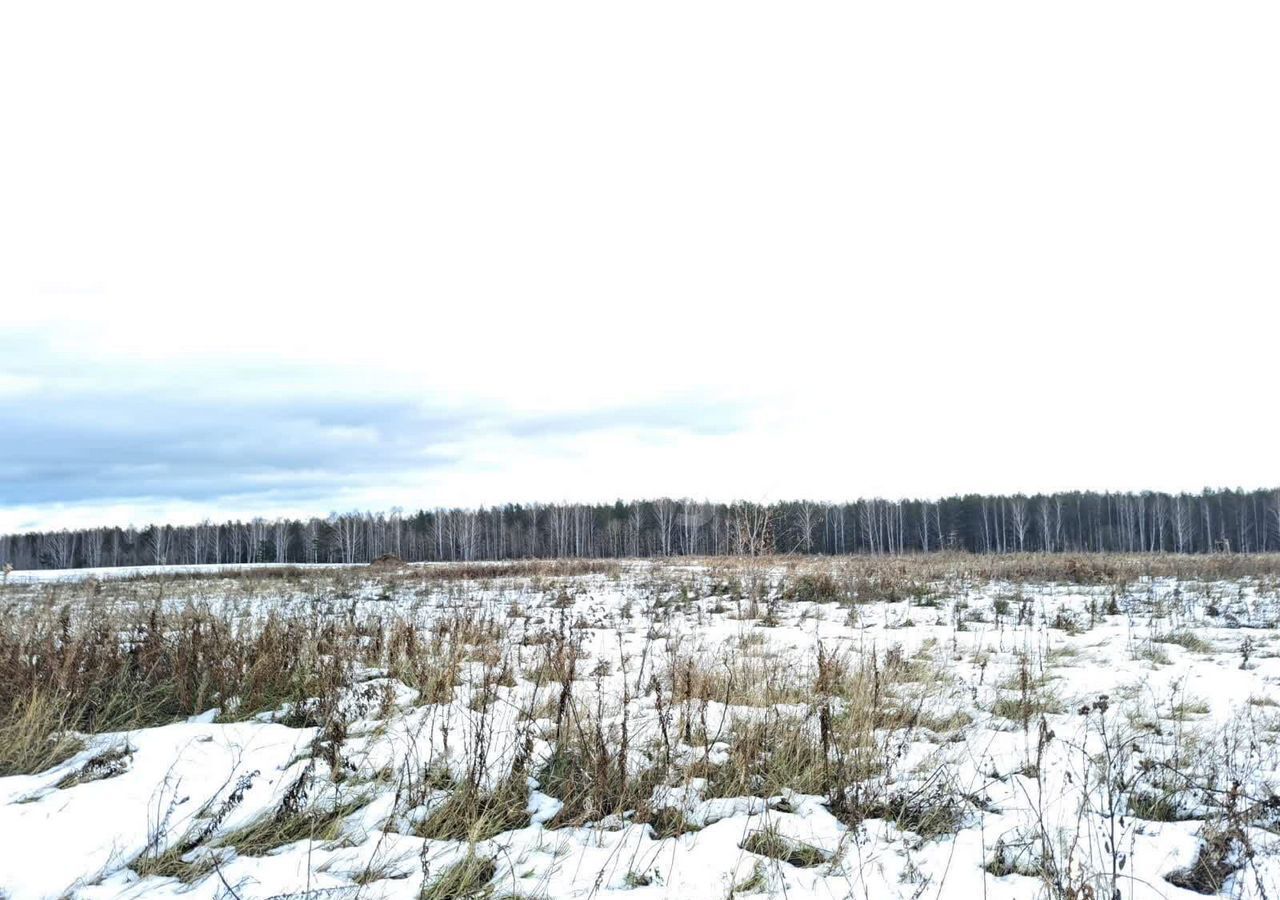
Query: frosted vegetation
(1076, 727)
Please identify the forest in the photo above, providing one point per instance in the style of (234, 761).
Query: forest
(1214, 521)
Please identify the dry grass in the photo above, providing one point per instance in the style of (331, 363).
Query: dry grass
(1186, 640)
(587, 769)
(128, 669)
(431, 658)
(836, 726)
(770, 842)
(467, 878)
(186, 865)
(909, 577)
(933, 810)
(35, 735)
(320, 823)
(108, 763)
(855, 714)
(75, 669)
(472, 814)
(760, 677)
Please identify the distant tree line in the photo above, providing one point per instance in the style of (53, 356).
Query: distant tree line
(1232, 521)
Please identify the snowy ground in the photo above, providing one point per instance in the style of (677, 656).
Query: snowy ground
(1009, 740)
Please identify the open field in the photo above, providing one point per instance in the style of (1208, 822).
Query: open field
(998, 726)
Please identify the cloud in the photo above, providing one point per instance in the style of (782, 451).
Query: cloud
(265, 438)
(107, 445)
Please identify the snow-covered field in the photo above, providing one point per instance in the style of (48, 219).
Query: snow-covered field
(719, 729)
(108, 573)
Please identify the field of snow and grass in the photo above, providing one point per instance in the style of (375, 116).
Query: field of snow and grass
(1005, 727)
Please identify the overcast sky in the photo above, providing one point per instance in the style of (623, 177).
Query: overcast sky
(293, 258)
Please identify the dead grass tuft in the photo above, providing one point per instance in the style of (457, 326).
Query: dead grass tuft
(772, 843)
(465, 879)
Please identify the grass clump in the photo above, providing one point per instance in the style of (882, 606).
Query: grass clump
(636, 879)
(472, 814)
(295, 819)
(467, 878)
(754, 883)
(1023, 707)
(1153, 654)
(1019, 707)
(187, 866)
(1025, 695)
(1016, 858)
(891, 587)
(931, 813)
(1159, 806)
(770, 842)
(769, 756)
(588, 769)
(668, 822)
(135, 667)
(1186, 640)
(107, 764)
(34, 735)
(1191, 706)
(816, 587)
(945, 722)
(316, 823)
(1220, 856)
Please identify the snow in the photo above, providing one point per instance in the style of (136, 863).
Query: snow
(108, 573)
(97, 826)
(62, 837)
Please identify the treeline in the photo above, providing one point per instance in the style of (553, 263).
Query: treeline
(1213, 521)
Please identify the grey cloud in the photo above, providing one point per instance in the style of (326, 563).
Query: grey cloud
(200, 433)
(114, 447)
